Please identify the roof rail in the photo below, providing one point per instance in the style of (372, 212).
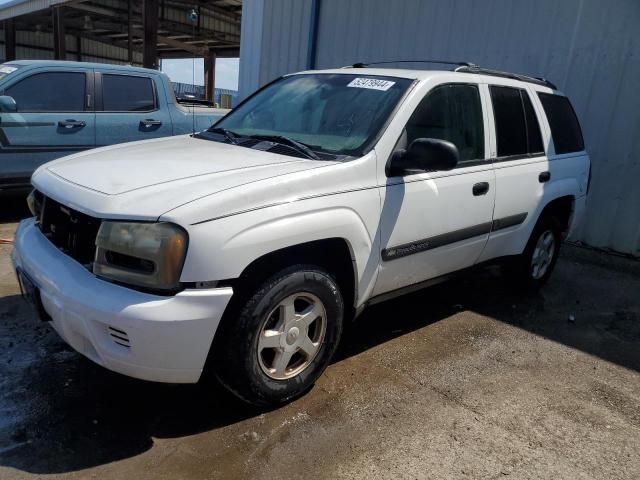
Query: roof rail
(498, 73)
(444, 62)
(466, 67)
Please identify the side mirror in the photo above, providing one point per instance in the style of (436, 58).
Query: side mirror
(8, 104)
(424, 154)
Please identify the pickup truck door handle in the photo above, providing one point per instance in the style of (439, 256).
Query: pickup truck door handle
(480, 188)
(149, 122)
(72, 124)
(544, 177)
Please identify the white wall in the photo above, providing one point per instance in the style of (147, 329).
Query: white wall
(589, 48)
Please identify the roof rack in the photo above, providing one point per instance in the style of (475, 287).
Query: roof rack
(498, 73)
(444, 62)
(467, 67)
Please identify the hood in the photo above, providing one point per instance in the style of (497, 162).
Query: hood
(123, 168)
(145, 179)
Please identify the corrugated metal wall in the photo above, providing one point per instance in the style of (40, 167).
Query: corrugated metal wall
(589, 48)
(92, 51)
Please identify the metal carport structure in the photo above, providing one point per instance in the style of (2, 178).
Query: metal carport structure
(138, 32)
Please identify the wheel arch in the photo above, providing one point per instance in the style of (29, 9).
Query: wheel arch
(561, 209)
(335, 254)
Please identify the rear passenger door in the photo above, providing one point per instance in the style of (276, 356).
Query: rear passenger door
(128, 108)
(54, 118)
(521, 169)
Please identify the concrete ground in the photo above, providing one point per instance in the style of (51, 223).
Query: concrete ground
(463, 380)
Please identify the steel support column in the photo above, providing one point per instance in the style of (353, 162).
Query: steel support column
(130, 33)
(150, 21)
(209, 75)
(9, 39)
(59, 38)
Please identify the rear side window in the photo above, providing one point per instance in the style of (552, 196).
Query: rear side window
(534, 137)
(565, 128)
(453, 113)
(50, 92)
(511, 129)
(126, 93)
(517, 127)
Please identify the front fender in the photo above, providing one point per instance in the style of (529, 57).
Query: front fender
(223, 248)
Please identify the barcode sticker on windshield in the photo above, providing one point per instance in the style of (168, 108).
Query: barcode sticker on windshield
(372, 83)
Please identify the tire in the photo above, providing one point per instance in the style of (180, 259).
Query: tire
(531, 269)
(296, 313)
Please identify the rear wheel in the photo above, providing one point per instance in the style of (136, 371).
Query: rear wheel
(534, 266)
(281, 337)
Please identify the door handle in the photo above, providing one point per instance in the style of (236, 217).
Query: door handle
(72, 124)
(544, 177)
(149, 122)
(480, 188)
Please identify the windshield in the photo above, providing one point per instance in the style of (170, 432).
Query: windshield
(331, 113)
(7, 69)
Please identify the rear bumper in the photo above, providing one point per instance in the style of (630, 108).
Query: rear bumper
(163, 339)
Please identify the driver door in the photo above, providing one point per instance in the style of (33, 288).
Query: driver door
(54, 118)
(434, 223)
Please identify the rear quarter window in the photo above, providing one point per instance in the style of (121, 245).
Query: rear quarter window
(565, 128)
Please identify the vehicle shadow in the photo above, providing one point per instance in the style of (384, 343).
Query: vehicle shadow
(73, 414)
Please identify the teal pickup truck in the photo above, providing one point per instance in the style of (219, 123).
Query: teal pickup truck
(49, 109)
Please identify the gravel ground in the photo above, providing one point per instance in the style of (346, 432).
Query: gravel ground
(463, 380)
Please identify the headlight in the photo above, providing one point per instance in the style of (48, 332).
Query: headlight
(34, 202)
(149, 255)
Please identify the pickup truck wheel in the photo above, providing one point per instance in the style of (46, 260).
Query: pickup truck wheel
(534, 266)
(283, 337)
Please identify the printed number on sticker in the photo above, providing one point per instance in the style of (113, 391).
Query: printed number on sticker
(372, 83)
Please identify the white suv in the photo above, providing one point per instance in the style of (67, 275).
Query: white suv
(243, 249)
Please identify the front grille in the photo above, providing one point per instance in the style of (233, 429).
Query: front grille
(74, 233)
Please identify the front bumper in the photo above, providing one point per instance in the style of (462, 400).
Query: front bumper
(163, 339)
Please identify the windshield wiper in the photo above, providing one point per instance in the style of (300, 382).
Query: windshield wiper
(228, 134)
(290, 142)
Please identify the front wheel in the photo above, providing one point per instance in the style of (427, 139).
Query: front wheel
(282, 338)
(534, 266)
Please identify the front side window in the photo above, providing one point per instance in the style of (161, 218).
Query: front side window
(50, 92)
(127, 93)
(565, 128)
(454, 113)
(332, 113)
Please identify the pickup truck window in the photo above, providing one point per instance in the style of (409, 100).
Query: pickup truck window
(454, 113)
(332, 113)
(50, 92)
(127, 93)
